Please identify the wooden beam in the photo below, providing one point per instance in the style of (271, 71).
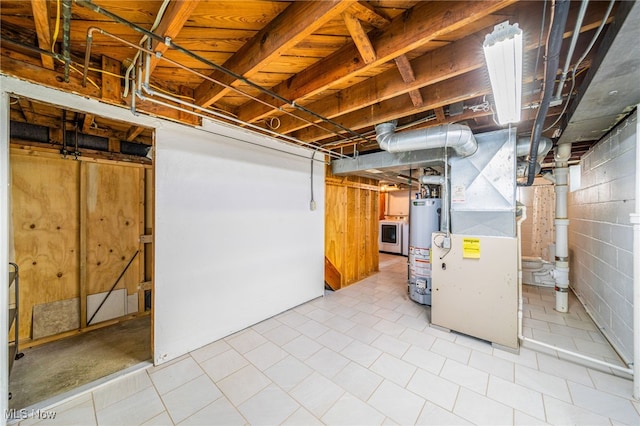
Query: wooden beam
(111, 83)
(133, 132)
(175, 17)
(426, 22)
(434, 66)
(23, 67)
(87, 121)
(366, 13)
(295, 23)
(460, 88)
(187, 92)
(43, 29)
(27, 110)
(114, 145)
(359, 37)
(439, 111)
(406, 72)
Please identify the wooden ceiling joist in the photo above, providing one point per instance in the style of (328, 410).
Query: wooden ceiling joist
(87, 122)
(365, 13)
(460, 88)
(406, 72)
(298, 21)
(133, 133)
(405, 33)
(27, 110)
(42, 21)
(359, 37)
(446, 62)
(174, 19)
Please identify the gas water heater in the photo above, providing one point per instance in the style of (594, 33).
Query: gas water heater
(424, 219)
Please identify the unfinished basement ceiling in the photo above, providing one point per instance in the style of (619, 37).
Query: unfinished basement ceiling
(315, 72)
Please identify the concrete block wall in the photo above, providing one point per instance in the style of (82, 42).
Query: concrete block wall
(601, 236)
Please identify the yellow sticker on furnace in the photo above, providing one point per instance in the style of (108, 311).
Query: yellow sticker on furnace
(471, 248)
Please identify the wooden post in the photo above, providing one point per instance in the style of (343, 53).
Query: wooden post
(83, 244)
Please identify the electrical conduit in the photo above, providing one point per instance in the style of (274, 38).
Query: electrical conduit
(561, 10)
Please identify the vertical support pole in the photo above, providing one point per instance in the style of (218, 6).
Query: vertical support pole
(83, 244)
(5, 211)
(635, 220)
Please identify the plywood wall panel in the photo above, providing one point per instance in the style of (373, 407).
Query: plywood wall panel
(351, 226)
(335, 218)
(113, 226)
(45, 219)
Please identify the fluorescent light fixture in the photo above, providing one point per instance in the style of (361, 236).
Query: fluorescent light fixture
(503, 53)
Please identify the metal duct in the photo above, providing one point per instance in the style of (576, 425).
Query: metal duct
(522, 147)
(522, 150)
(455, 136)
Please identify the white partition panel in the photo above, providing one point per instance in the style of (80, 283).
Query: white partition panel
(236, 240)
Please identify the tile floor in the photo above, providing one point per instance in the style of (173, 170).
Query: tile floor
(365, 355)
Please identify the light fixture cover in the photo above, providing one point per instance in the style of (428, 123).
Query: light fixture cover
(503, 53)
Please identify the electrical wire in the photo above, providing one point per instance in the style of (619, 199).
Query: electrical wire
(57, 28)
(544, 14)
(575, 67)
(312, 203)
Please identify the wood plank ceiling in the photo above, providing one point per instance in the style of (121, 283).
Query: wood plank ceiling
(321, 72)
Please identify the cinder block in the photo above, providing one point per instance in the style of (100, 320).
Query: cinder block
(623, 189)
(622, 236)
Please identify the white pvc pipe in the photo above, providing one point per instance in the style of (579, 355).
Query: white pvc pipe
(635, 220)
(523, 217)
(579, 356)
(561, 271)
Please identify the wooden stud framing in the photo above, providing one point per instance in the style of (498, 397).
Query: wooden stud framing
(141, 244)
(87, 122)
(42, 21)
(56, 199)
(111, 83)
(83, 244)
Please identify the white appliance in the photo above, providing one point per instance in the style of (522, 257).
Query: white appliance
(391, 236)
